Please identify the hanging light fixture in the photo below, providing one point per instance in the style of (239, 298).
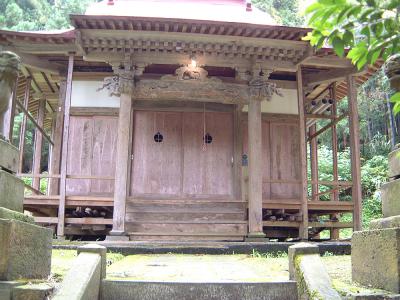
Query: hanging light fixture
(193, 61)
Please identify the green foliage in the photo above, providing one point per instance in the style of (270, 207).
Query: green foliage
(39, 14)
(369, 28)
(285, 12)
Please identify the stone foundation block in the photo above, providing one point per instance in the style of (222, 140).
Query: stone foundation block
(375, 258)
(9, 156)
(11, 192)
(394, 163)
(6, 288)
(14, 215)
(41, 291)
(389, 222)
(390, 194)
(25, 250)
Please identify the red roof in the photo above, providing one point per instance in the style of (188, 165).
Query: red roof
(238, 11)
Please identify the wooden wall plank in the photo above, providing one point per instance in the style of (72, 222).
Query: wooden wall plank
(79, 155)
(105, 130)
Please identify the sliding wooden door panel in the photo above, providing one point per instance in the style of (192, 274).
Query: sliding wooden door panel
(207, 166)
(157, 163)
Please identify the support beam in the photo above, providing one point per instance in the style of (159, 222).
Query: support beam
(334, 232)
(23, 125)
(55, 163)
(122, 164)
(37, 126)
(255, 169)
(63, 170)
(328, 76)
(355, 152)
(326, 127)
(314, 162)
(37, 154)
(35, 62)
(303, 232)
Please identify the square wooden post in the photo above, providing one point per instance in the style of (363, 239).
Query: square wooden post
(255, 169)
(37, 154)
(63, 169)
(122, 163)
(355, 153)
(23, 125)
(303, 232)
(334, 232)
(314, 162)
(55, 163)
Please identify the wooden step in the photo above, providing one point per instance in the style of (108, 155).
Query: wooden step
(186, 216)
(178, 228)
(185, 207)
(141, 236)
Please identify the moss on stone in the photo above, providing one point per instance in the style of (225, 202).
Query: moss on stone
(9, 214)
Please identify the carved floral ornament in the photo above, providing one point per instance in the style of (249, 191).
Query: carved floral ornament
(191, 81)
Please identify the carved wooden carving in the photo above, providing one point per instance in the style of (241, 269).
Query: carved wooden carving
(261, 89)
(9, 67)
(189, 84)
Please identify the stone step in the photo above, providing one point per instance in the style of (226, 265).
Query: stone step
(134, 290)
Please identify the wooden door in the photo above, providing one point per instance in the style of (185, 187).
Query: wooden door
(181, 166)
(157, 166)
(208, 170)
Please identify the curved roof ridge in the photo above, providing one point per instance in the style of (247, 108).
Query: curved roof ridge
(238, 11)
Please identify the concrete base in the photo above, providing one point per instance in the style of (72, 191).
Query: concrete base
(256, 237)
(375, 258)
(390, 195)
(121, 290)
(9, 157)
(394, 163)
(117, 238)
(390, 222)
(25, 250)
(11, 192)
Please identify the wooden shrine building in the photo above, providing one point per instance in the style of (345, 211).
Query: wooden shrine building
(189, 120)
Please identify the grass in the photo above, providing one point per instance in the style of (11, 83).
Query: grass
(62, 261)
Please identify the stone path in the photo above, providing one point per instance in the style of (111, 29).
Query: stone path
(199, 268)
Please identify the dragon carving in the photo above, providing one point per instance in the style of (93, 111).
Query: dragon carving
(9, 67)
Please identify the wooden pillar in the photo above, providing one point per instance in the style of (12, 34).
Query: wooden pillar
(23, 125)
(237, 151)
(314, 162)
(334, 232)
(55, 164)
(255, 169)
(37, 153)
(303, 232)
(355, 152)
(63, 169)
(122, 164)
